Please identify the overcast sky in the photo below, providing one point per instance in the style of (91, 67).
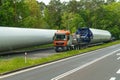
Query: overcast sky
(47, 1)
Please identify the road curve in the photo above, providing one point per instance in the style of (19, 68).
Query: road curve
(95, 61)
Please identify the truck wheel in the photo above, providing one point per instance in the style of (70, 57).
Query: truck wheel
(57, 50)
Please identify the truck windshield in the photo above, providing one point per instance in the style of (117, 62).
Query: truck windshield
(60, 37)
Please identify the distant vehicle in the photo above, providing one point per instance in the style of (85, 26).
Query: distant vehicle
(14, 38)
(64, 40)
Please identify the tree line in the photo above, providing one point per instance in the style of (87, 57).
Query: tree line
(100, 14)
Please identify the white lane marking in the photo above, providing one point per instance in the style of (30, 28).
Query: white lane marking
(118, 54)
(118, 58)
(81, 67)
(18, 72)
(112, 78)
(118, 72)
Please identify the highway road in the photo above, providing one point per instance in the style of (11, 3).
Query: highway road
(102, 64)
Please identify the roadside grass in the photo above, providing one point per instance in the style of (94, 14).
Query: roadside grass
(19, 62)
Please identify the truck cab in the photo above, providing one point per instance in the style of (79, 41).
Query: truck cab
(62, 40)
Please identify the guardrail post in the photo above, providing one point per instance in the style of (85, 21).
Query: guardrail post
(25, 57)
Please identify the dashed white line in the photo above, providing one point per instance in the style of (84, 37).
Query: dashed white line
(118, 72)
(118, 58)
(118, 54)
(112, 78)
(81, 67)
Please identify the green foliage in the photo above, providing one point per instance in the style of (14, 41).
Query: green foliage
(72, 21)
(6, 14)
(67, 15)
(53, 14)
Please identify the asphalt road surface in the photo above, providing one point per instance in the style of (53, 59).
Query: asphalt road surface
(33, 55)
(102, 64)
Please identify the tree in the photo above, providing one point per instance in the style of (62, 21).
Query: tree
(7, 14)
(35, 17)
(73, 6)
(53, 14)
(113, 17)
(71, 21)
(12, 12)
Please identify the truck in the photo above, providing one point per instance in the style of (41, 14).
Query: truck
(65, 40)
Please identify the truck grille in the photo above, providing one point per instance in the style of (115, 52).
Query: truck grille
(59, 43)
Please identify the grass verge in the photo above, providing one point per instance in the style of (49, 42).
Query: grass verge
(19, 62)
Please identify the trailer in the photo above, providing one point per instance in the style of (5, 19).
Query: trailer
(64, 40)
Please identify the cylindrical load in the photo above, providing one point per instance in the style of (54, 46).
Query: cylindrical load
(100, 35)
(90, 35)
(12, 38)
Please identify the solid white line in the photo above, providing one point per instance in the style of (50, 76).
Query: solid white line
(112, 78)
(81, 67)
(118, 72)
(47, 64)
